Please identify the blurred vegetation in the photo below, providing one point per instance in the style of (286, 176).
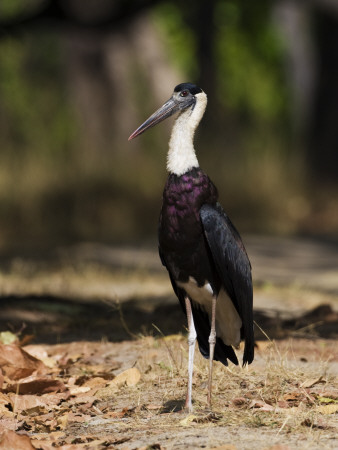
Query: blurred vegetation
(69, 98)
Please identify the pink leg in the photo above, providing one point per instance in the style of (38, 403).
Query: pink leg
(212, 342)
(191, 341)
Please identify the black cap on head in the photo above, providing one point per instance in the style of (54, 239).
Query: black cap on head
(192, 88)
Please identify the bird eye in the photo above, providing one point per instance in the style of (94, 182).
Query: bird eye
(184, 93)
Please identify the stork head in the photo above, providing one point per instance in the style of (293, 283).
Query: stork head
(184, 97)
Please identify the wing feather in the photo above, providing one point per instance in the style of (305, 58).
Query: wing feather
(233, 267)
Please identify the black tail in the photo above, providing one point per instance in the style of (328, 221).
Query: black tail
(222, 352)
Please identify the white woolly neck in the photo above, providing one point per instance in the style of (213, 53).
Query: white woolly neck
(181, 154)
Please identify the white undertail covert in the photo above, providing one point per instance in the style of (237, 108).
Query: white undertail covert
(228, 322)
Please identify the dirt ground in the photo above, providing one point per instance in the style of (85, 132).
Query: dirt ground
(99, 354)
(130, 395)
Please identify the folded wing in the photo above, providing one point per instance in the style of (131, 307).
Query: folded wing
(233, 267)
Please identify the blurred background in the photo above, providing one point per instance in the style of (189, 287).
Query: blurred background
(77, 77)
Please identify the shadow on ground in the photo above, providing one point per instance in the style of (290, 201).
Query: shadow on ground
(51, 319)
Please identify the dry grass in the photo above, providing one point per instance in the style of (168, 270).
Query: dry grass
(277, 399)
(288, 396)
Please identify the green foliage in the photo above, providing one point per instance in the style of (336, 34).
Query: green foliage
(12, 8)
(249, 56)
(38, 131)
(34, 113)
(247, 51)
(178, 38)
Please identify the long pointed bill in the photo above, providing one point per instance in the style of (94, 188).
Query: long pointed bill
(168, 109)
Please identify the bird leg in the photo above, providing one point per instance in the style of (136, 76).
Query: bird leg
(191, 341)
(212, 343)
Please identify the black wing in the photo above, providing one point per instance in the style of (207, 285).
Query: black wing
(233, 267)
(222, 352)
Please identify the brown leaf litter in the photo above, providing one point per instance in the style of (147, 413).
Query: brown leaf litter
(130, 395)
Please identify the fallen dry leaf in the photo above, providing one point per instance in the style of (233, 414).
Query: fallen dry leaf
(5, 405)
(102, 370)
(78, 418)
(95, 382)
(152, 406)
(9, 423)
(9, 440)
(326, 400)
(333, 394)
(311, 382)
(62, 421)
(293, 398)
(4, 399)
(83, 399)
(115, 414)
(37, 385)
(314, 424)
(107, 392)
(49, 362)
(118, 414)
(52, 437)
(130, 377)
(24, 402)
(45, 423)
(44, 443)
(69, 358)
(36, 411)
(5, 413)
(239, 401)
(188, 420)
(7, 337)
(75, 390)
(55, 398)
(15, 363)
(261, 405)
(283, 404)
(267, 407)
(327, 409)
(206, 418)
(38, 351)
(83, 445)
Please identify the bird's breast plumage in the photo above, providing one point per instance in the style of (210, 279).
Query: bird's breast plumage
(181, 237)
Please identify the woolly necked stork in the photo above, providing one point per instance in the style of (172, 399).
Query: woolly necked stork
(207, 263)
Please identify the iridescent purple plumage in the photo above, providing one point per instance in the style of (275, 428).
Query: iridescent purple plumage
(183, 197)
(181, 236)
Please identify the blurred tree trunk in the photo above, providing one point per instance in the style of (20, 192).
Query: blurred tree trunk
(323, 132)
(310, 34)
(90, 91)
(204, 30)
(200, 17)
(110, 82)
(293, 22)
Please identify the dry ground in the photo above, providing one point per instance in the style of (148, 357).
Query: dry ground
(129, 395)
(87, 368)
